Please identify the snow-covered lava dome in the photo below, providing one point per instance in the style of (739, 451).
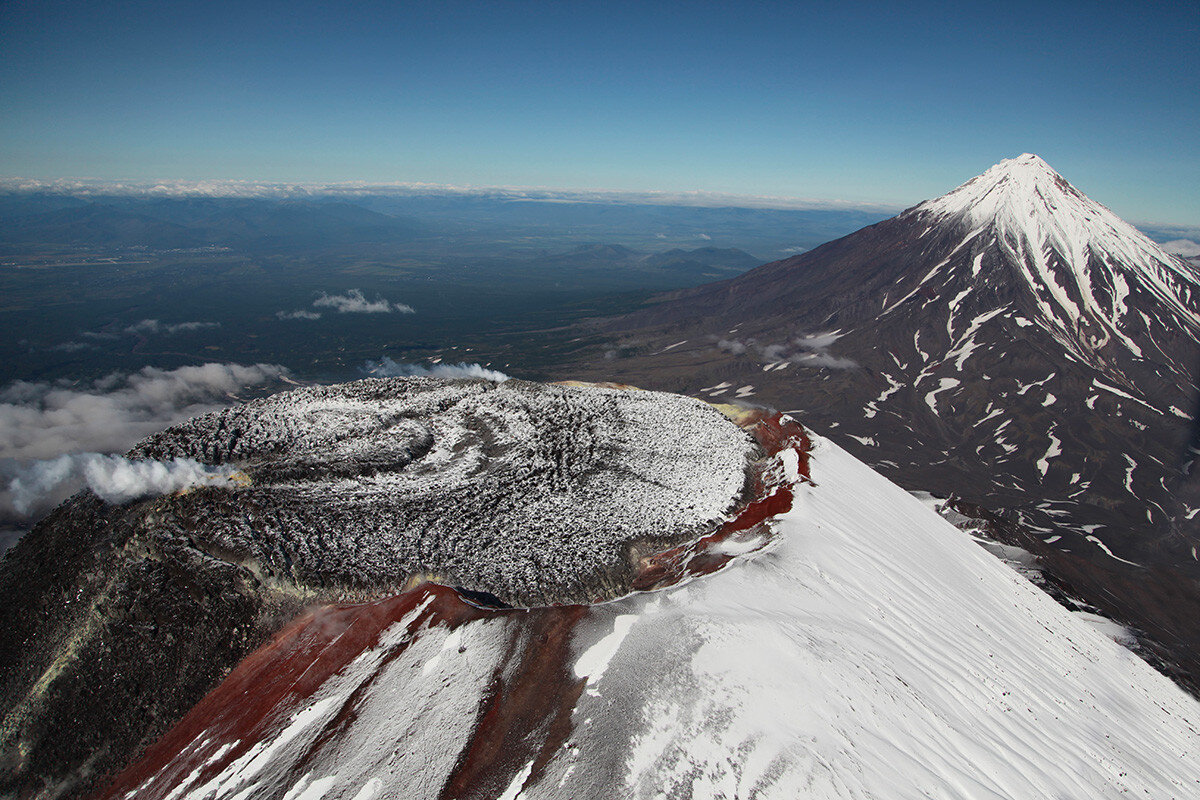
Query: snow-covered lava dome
(532, 493)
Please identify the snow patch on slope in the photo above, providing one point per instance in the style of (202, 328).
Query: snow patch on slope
(1077, 258)
(943, 385)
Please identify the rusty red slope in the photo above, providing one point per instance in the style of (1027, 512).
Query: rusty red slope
(522, 712)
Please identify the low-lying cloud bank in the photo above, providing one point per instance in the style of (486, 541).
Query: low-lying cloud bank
(387, 368)
(82, 187)
(56, 438)
(1182, 247)
(44, 420)
(352, 302)
(302, 313)
(811, 350)
(145, 327)
(154, 326)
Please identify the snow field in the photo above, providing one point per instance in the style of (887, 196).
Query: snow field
(868, 650)
(876, 651)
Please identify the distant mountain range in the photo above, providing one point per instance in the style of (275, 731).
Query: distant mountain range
(479, 224)
(1013, 345)
(703, 263)
(183, 223)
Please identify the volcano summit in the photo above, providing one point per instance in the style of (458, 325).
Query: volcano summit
(115, 619)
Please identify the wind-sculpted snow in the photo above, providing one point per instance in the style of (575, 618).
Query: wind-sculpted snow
(862, 648)
(116, 618)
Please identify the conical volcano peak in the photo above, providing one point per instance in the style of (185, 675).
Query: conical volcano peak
(1062, 236)
(1026, 162)
(1017, 188)
(1026, 169)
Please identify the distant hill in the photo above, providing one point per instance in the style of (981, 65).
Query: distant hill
(677, 267)
(704, 259)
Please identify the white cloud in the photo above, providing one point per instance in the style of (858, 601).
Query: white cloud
(814, 352)
(40, 423)
(387, 368)
(72, 347)
(154, 326)
(810, 350)
(823, 359)
(145, 327)
(44, 420)
(1182, 247)
(775, 352)
(818, 341)
(35, 487)
(301, 313)
(354, 302)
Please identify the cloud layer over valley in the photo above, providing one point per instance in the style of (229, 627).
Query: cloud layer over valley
(114, 479)
(55, 437)
(811, 350)
(352, 302)
(387, 368)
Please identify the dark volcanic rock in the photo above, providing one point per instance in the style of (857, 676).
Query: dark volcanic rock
(114, 620)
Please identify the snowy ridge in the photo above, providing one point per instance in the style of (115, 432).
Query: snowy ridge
(1080, 261)
(870, 650)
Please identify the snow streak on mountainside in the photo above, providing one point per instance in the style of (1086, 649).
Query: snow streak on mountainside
(1012, 344)
(1077, 259)
(864, 648)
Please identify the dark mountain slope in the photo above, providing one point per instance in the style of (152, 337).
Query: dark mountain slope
(1012, 344)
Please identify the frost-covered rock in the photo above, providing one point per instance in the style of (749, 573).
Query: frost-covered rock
(532, 493)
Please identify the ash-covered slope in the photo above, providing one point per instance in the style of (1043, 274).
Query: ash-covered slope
(858, 647)
(1012, 343)
(116, 619)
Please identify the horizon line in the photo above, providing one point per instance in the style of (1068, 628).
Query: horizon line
(249, 189)
(245, 188)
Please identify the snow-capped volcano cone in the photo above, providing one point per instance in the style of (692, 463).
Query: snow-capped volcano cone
(1087, 272)
(1011, 343)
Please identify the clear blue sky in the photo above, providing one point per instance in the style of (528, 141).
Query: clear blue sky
(886, 103)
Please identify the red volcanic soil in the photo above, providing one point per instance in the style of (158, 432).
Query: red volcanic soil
(255, 701)
(773, 496)
(525, 714)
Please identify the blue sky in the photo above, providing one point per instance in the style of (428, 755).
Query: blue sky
(886, 103)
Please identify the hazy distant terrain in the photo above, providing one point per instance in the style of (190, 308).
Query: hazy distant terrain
(96, 283)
